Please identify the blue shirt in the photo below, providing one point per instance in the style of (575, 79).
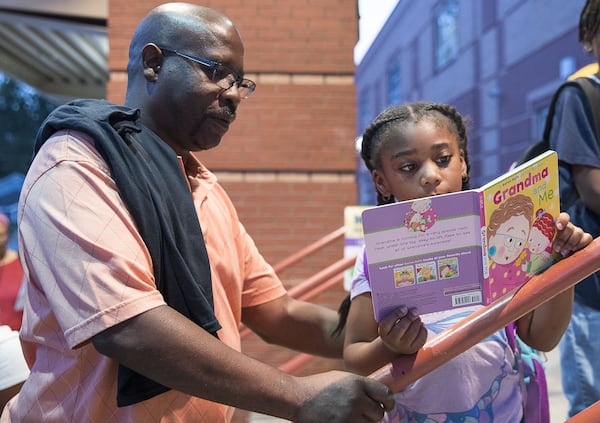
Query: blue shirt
(573, 138)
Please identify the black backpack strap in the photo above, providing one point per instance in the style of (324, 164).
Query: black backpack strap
(590, 85)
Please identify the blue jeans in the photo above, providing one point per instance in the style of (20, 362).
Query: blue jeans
(580, 358)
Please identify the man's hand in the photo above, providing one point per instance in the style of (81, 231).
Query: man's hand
(349, 399)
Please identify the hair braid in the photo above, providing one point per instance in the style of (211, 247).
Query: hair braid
(589, 21)
(372, 137)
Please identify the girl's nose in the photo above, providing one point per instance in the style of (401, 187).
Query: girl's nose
(430, 174)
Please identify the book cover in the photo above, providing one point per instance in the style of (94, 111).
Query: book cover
(459, 249)
(519, 210)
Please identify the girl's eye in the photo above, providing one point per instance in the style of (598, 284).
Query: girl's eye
(409, 167)
(445, 159)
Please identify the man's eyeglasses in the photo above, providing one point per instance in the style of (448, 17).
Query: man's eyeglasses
(219, 74)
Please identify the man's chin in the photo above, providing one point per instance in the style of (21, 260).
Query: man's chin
(207, 144)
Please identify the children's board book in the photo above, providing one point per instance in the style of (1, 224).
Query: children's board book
(464, 248)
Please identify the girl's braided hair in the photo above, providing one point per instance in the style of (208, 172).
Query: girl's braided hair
(589, 22)
(441, 114)
(372, 142)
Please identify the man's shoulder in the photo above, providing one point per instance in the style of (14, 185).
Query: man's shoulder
(70, 145)
(94, 117)
(66, 149)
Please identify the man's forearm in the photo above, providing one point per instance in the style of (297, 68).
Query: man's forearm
(182, 356)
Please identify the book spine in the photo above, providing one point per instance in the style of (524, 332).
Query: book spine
(485, 269)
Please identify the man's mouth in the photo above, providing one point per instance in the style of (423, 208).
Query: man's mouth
(223, 119)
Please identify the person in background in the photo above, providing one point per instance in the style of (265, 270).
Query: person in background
(573, 137)
(11, 276)
(13, 368)
(413, 151)
(138, 269)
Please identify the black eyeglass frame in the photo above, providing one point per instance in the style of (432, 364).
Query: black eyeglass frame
(245, 85)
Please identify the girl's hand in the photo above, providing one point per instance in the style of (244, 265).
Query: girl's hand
(402, 332)
(569, 238)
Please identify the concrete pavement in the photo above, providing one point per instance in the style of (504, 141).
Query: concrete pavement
(558, 402)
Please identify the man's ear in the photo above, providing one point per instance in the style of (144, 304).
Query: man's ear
(152, 58)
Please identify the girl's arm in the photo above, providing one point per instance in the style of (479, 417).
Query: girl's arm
(368, 345)
(543, 327)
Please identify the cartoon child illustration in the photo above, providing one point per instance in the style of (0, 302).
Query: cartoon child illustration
(421, 216)
(540, 240)
(404, 277)
(507, 232)
(447, 271)
(426, 272)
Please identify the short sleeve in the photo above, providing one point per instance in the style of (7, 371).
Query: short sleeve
(360, 283)
(85, 260)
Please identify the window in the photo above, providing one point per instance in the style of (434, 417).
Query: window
(446, 24)
(394, 93)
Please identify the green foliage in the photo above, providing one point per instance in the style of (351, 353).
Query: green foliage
(22, 110)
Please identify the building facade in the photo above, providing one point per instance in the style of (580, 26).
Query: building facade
(497, 61)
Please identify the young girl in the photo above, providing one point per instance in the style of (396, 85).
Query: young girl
(414, 151)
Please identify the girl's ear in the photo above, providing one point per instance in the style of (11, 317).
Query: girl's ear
(463, 164)
(381, 183)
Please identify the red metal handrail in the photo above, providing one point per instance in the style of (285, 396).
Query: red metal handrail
(314, 285)
(320, 281)
(308, 250)
(311, 287)
(589, 415)
(484, 322)
(469, 331)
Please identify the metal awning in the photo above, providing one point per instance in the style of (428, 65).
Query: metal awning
(59, 47)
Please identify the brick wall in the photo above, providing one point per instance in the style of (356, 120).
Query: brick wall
(298, 126)
(288, 161)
